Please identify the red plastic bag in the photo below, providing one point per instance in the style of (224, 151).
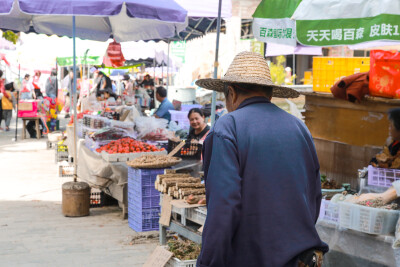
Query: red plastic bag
(114, 57)
(384, 75)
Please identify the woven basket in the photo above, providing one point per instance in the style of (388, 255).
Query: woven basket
(174, 161)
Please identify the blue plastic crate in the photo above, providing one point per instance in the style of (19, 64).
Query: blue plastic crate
(145, 225)
(144, 191)
(146, 220)
(144, 176)
(144, 213)
(136, 202)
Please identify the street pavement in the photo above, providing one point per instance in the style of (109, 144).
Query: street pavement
(33, 231)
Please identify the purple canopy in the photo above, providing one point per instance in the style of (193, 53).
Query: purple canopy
(129, 20)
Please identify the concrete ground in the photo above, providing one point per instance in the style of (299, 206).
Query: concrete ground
(33, 232)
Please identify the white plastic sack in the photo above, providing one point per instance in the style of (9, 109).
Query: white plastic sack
(147, 127)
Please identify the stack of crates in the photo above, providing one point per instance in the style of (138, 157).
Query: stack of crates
(328, 70)
(61, 152)
(143, 199)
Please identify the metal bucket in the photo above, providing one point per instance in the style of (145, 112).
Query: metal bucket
(75, 199)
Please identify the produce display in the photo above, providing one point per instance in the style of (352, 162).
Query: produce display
(94, 122)
(179, 185)
(154, 161)
(156, 135)
(79, 116)
(108, 134)
(150, 128)
(329, 183)
(386, 160)
(184, 249)
(127, 145)
(378, 203)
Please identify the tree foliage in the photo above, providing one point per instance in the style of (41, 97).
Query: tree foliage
(10, 36)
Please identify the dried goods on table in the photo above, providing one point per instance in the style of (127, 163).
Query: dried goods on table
(386, 160)
(154, 161)
(329, 184)
(161, 177)
(185, 192)
(396, 164)
(378, 203)
(184, 249)
(172, 182)
(189, 185)
(175, 184)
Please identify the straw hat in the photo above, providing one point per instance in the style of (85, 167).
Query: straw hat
(249, 68)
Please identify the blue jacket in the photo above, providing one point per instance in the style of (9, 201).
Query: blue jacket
(164, 108)
(263, 189)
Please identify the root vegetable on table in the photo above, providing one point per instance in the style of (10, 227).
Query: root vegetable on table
(189, 185)
(161, 177)
(185, 192)
(173, 181)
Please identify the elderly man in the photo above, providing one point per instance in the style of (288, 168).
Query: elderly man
(262, 176)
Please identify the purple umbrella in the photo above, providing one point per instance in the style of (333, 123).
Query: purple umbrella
(99, 20)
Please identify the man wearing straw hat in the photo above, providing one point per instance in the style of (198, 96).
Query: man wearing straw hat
(262, 176)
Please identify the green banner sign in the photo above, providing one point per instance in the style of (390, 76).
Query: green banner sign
(348, 31)
(89, 60)
(178, 49)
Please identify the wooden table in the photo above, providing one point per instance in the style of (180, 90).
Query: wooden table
(36, 119)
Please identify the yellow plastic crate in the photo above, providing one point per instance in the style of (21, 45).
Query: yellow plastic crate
(328, 70)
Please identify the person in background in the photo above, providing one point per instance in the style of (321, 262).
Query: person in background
(165, 106)
(37, 93)
(110, 97)
(68, 100)
(7, 104)
(261, 174)
(51, 85)
(2, 91)
(26, 92)
(394, 148)
(114, 86)
(148, 84)
(105, 81)
(129, 85)
(198, 127)
(96, 83)
(394, 135)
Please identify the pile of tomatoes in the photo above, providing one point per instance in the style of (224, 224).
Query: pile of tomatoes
(127, 145)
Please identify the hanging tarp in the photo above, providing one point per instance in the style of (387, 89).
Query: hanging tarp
(272, 22)
(114, 57)
(347, 22)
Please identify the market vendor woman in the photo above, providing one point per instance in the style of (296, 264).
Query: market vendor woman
(389, 158)
(198, 127)
(383, 160)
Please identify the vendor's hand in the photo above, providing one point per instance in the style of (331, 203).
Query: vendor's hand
(364, 197)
